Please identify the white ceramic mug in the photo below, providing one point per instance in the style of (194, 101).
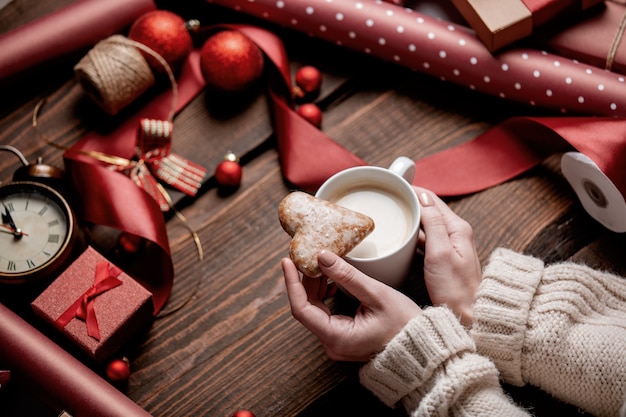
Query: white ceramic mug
(386, 195)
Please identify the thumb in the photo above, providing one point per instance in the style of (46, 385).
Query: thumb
(362, 287)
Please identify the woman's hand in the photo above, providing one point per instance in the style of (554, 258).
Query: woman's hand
(383, 312)
(452, 270)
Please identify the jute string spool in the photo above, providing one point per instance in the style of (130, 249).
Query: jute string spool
(114, 73)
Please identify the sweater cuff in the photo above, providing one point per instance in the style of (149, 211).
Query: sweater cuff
(413, 355)
(503, 301)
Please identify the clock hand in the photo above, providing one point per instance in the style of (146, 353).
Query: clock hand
(6, 218)
(12, 231)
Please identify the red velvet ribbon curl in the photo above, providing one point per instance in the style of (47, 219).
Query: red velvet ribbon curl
(106, 278)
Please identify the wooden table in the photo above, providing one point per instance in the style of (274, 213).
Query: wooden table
(235, 344)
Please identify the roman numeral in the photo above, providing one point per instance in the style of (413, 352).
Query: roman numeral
(43, 210)
(53, 223)
(53, 238)
(11, 266)
(30, 263)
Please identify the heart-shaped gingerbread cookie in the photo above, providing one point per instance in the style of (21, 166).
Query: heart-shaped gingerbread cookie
(315, 224)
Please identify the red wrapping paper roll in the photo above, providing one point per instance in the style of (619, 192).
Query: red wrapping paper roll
(55, 35)
(450, 52)
(52, 373)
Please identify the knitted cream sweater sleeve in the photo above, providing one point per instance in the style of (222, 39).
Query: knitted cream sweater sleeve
(561, 328)
(431, 367)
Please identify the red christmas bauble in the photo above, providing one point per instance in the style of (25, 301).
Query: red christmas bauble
(228, 173)
(118, 371)
(311, 113)
(243, 413)
(230, 62)
(129, 243)
(308, 81)
(165, 33)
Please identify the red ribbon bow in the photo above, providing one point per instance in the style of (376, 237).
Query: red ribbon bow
(154, 160)
(106, 278)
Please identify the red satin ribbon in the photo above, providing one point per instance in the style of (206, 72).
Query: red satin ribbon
(106, 278)
(111, 199)
(309, 157)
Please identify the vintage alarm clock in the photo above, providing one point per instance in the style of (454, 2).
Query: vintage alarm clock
(39, 232)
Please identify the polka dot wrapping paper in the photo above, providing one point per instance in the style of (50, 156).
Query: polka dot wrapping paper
(449, 51)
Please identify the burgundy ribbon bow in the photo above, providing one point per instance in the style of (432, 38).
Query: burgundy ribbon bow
(155, 160)
(106, 278)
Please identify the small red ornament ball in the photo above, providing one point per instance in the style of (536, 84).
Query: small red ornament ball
(308, 81)
(165, 33)
(311, 113)
(129, 243)
(230, 62)
(228, 173)
(243, 413)
(118, 371)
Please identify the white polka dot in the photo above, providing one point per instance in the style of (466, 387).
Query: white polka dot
(400, 29)
(473, 60)
(613, 106)
(502, 95)
(532, 102)
(456, 72)
(581, 99)
(309, 10)
(323, 28)
(486, 79)
(351, 35)
(412, 47)
(601, 87)
(358, 6)
(620, 79)
(505, 67)
(536, 74)
(549, 93)
(563, 110)
(557, 63)
(430, 35)
(472, 87)
(462, 42)
(568, 80)
(280, 4)
(451, 28)
(524, 56)
(420, 20)
(426, 65)
(368, 50)
(396, 58)
(518, 86)
(442, 54)
(339, 16)
(389, 13)
(382, 41)
(294, 21)
(369, 23)
(588, 71)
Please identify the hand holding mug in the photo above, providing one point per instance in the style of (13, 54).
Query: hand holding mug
(452, 270)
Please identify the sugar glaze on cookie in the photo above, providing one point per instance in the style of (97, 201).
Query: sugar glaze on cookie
(315, 224)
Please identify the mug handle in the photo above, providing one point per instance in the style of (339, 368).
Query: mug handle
(404, 167)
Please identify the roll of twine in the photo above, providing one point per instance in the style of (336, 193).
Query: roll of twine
(114, 73)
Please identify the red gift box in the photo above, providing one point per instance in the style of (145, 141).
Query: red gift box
(499, 23)
(595, 40)
(96, 305)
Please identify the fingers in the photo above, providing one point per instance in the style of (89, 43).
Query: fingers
(443, 228)
(311, 316)
(363, 288)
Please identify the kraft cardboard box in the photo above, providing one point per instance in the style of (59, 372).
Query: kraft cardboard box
(499, 23)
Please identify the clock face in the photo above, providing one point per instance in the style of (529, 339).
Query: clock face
(36, 229)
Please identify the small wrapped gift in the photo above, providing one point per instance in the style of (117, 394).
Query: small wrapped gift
(595, 40)
(501, 22)
(96, 305)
